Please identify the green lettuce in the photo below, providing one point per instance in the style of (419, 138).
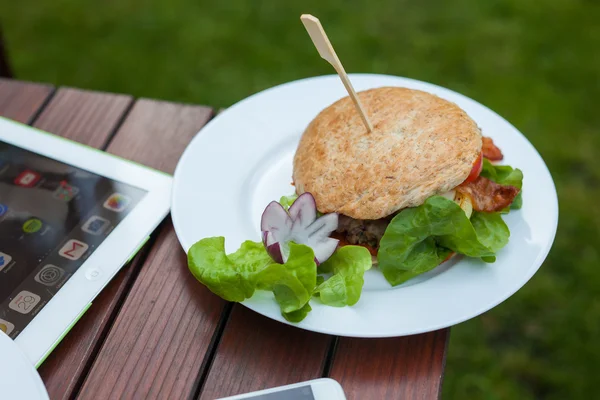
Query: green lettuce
(230, 277)
(293, 282)
(505, 175)
(298, 315)
(348, 265)
(235, 277)
(287, 201)
(418, 239)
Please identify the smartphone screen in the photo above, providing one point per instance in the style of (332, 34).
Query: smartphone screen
(298, 393)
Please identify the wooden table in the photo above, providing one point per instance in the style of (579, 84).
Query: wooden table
(155, 332)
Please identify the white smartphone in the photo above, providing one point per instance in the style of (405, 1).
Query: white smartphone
(318, 389)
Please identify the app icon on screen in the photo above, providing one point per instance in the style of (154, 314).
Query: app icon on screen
(3, 210)
(117, 202)
(27, 178)
(95, 225)
(24, 302)
(73, 249)
(49, 275)
(6, 326)
(65, 192)
(32, 225)
(5, 259)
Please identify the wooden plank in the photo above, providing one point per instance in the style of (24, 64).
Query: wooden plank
(161, 337)
(256, 353)
(409, 367)
(157, 132)
(90, 118)
(64, 370)
(86, 117)
(22, 100)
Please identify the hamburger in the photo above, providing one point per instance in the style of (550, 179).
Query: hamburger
(421, 146)
(416, 189)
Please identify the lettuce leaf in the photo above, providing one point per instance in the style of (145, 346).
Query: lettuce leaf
(235, 277)
(517, 202)
(502, 174)
(418, 239)
(505, 175)
(230, 277)
(298, 315)
(491, 230)
(287, 201)
(292, 283)
(348, 265)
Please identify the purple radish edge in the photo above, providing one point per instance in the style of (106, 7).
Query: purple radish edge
(303, 198)
(274, 251)
(272, 207)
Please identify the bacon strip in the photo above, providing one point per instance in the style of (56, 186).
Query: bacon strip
(487, 195)
(490, 151)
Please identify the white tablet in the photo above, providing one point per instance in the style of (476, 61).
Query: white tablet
(70, 217)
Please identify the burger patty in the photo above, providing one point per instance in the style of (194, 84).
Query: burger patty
(362, 232)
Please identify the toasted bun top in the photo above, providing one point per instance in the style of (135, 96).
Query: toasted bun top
(421, 145)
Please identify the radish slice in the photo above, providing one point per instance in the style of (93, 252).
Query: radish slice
(273, 247)
(303, 211)
(320, 229)
(324, 249)
(276, 221)
(299, 225)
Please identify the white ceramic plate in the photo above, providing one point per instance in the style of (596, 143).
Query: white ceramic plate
(18, 377)
(243, 159)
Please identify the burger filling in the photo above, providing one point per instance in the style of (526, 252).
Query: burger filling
(477, 193)
(362, 232)
(368, 233)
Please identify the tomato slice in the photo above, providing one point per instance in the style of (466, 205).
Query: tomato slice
(476, 170)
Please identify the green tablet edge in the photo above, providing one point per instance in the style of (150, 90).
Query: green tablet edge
(63, 335)
(86, 146)
(137, 250)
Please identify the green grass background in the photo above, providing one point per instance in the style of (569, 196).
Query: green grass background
(535, 62)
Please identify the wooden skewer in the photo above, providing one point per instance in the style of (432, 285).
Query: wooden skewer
(321, 41)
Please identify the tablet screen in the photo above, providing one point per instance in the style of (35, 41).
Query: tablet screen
(52, 218)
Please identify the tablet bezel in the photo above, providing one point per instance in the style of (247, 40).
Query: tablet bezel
(47, 328)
